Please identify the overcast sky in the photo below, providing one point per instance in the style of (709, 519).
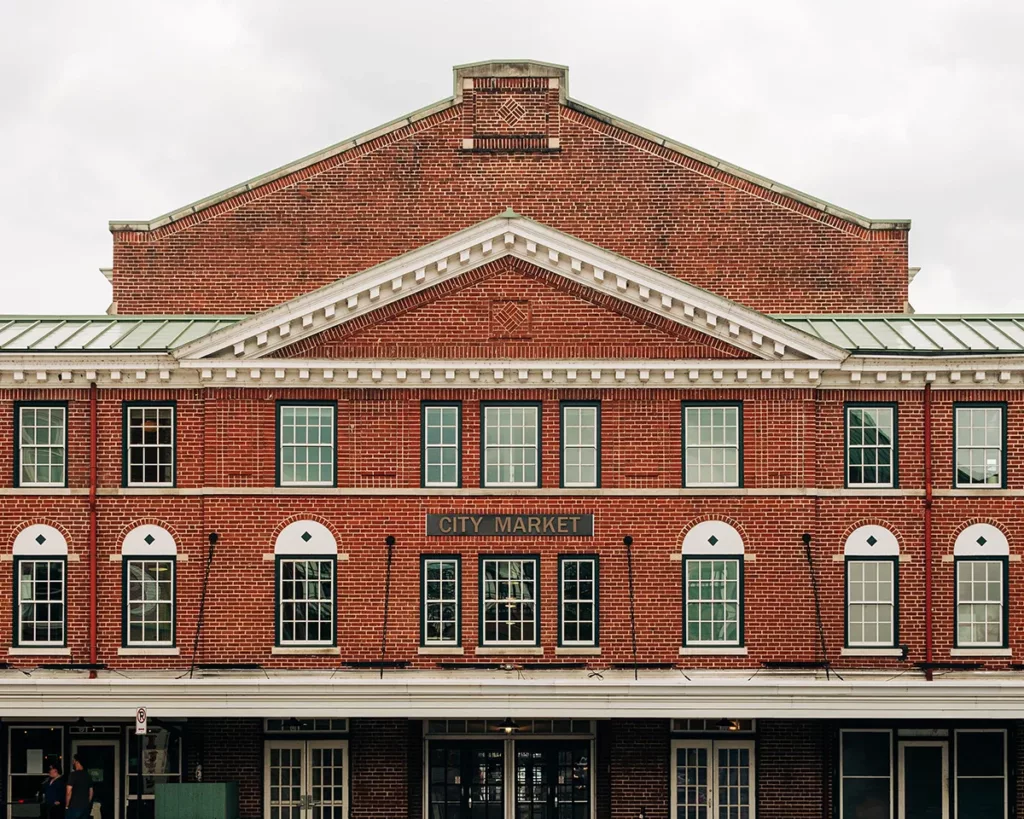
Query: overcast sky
(126, 110)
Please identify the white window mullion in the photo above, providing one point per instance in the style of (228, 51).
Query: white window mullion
(512, 445)
(712, 451)
(508, 591)
(441, 596)
(306, 589)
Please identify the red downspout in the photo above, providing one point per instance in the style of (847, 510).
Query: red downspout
(93, 527)
(928, 528)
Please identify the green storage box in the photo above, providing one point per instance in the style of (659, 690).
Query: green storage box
(197, 800)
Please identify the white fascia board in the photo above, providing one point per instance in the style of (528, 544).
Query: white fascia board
(405, 694)
(537, 244)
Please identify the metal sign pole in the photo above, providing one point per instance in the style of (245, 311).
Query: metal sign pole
(141, 727)
(141, 783)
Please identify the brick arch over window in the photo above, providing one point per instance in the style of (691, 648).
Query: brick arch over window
(698, 521)
(857, 539)
(137, 524)
(981, 539)
(712, 537)
(40, 539)
(149, 539)
(306, 537)
(284, 524)
(21, 527)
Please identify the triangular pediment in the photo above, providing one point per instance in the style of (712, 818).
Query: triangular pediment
(633, 286)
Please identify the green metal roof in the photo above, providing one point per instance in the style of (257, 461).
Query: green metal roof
(902, 333)
(103, 334)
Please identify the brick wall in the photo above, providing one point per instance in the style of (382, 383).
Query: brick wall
(417, 185)
(379, 750)
(791, 769)
(230, 750)
(639, 768)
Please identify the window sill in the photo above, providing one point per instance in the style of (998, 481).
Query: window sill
(311, 651)
(981, 652)
(867, 651)
(713, 651)
(442, 651)
(42, 651)
(509, 651)
(578, 651)
(151, 651)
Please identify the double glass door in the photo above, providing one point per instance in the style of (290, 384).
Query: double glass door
(305, 779)
(713, 779)
(548, 779)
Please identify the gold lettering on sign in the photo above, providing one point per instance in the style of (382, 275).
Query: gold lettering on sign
(502, 524)
(445, 524)
(519, 525)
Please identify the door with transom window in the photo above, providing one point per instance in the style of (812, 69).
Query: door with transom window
(305, 779)
(713, 779)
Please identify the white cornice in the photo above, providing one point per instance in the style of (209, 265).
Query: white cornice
(545, 247)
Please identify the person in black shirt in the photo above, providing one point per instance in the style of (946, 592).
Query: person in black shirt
(79, 791)
(53, 793)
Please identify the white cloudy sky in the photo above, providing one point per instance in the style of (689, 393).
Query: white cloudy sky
(892, 109)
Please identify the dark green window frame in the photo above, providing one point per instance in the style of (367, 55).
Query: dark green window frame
(535, 559)
(424, 406)
(894, 559)
(126, 407)
(18, 406)
(958, 561)
(16, 631)
(738, 405)
(740, 643)
(484, 406)
(290, 402)
(1000, 405)
(125, 632)
(424, 560)
(563, 406)
(894, 463)
(278, 612)
(562, 560)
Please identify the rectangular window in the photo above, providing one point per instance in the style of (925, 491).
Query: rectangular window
(981, 780)
(865, 775)
(41, 601)
(149, 601)
(305, 601)
(871, 602)
(441, 577)
(577, 604)
(41, 433)
(981, 602)
(581, 445)
(979, 440)
(511, 444)
(149, 444)
(508, 601)
(713, 600)
(712, 436)
(870, 446)
(306, 444)
(442, 444)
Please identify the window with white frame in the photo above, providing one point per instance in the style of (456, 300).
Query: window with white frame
(40, 571)
(442, 437)
(865, 774)
(981, 774)
(981, 557)
(872, 575)
(870, 446)
(581, 445)
(306, 553)
(306, 444)
(511, 445)
(148, 557)
(713, 778)
(980, 442)
(577, 611)
(712, 435)
(712, 556)
(41, 444)
(149, 444)
(441, 600)
(508, 601)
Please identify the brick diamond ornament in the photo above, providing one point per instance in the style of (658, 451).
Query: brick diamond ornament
(511, 111)
(712, 540)
(306, 536)
(149, 540)
(872, 540)
(982, 541)
(40, 540)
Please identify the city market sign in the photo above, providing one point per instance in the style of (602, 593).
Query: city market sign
(510, 525)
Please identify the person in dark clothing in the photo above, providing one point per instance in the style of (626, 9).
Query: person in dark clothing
(53, 793)
(78, 796)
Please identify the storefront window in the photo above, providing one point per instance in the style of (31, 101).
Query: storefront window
(161, 762)
(866, 775)
(980, 774)
(31, 750)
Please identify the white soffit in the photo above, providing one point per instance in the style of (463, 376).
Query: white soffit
(512, 235)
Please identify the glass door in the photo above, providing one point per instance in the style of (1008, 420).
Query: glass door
(101, 759)
(924, 780)
(713, 779)
(552, 780)
(305, 779)
(466, 780)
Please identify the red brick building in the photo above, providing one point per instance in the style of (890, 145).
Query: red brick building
(511, 460)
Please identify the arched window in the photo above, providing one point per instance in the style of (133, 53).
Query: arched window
(148, 575)
(713, 585)
(872, 583)
(40, 569)
(981, 557)
(307, 558)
